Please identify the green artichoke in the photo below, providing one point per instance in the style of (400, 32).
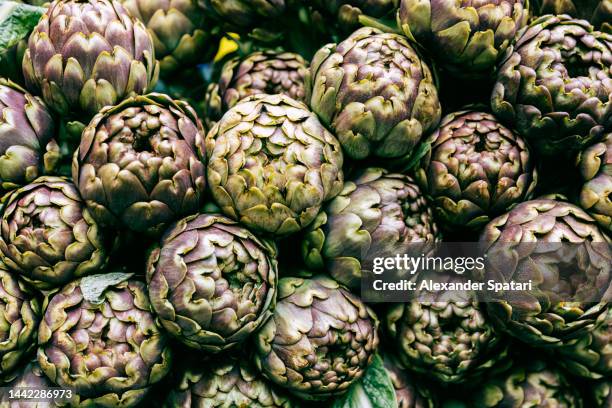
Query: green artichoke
(271, 164)
(180, 33)
(595, 166)
(27, 145)
(598, 12)
(266, 72)
(475, 169)
(374, 93)
(377, 214)
(48, 236)
(553, 313)
(589, 356)
(243, 13)
(467, 37)
(408, 394)
(84, 55)
(19, 316)
(139, 164)
(448, 341)
(529, 384)
(231, 382)
(320, 339)
(211, 282)
(99, 338)
(554, 85)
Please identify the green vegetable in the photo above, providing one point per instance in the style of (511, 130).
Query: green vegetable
(374, 92)
(83, 56)
(211, 282)
(111, 353)
(148, 174)
(475, 169)
(27, 137)
(271, 164)
(320, 340)
(48, 236)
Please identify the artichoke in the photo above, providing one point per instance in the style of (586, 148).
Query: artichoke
(554, 85)
(243, 13)
(99, 337)
(475, 169)
(230, 382)
(408, 394)
(598, 12)
(27, 145)
(566, 279)
(179, 31)
(211, 282)
(84, 55)
(19, 316)
(529, 384)
(320, 339)
(267, 72)
(590, 356)
(595, 166)
(139, 164)
(271, 164)
(48, 236)
(448, 341)
(377, 214)
(467, 37)
(374, 93)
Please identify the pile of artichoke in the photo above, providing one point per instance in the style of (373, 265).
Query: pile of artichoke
(191, 193)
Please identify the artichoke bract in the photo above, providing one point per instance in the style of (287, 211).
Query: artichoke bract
(48, 236)
(266, 72)
(475, 169)
(27, 137)
(19, 316)
(602, 394)
(211, 282)
(589, 356)
(84, 55)
(374, 93)
(407, 393)
(272, 164)
(320, 339)
(528, 384)
(140, 163)
(598, 12)
(595, 166)
(448, 341)
(231, 382)
(178, 29)
(378, 214)
(243, 13)
(554, 85)
(466, 37)
(525, 244)
(99, 337)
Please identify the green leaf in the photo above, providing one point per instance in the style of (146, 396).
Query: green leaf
(374, 390)
(16, 22)
(93, 286)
